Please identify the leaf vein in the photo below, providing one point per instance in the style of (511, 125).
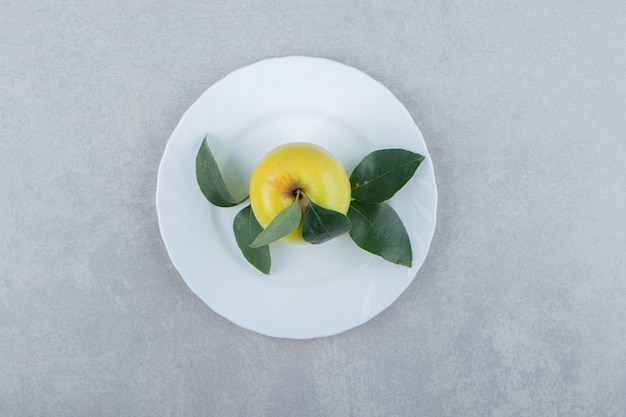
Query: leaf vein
(378, 177)
(373, 225)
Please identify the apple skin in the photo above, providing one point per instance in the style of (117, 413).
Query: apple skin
(298, 166)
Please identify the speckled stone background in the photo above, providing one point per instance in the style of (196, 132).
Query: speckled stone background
(519, 310)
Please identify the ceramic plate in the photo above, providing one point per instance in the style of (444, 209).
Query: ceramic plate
(312, 291)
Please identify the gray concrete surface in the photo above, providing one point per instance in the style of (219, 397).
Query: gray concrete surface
(519, 310)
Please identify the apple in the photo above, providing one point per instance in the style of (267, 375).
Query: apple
(294, 167)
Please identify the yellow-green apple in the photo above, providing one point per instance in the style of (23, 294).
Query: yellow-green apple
(294, 167)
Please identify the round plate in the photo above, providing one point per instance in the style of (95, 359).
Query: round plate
(313, 290)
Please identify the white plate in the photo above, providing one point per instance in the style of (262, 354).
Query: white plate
(312, 291)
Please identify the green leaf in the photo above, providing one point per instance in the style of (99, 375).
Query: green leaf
(378, 229)
(210, 179)
(382, 173)
(246, 229)
(321, 224)
(284, 223)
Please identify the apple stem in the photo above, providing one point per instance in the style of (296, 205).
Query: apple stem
(303, 202)
(296, 190)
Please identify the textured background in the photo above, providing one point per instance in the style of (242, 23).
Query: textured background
(519, 310)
